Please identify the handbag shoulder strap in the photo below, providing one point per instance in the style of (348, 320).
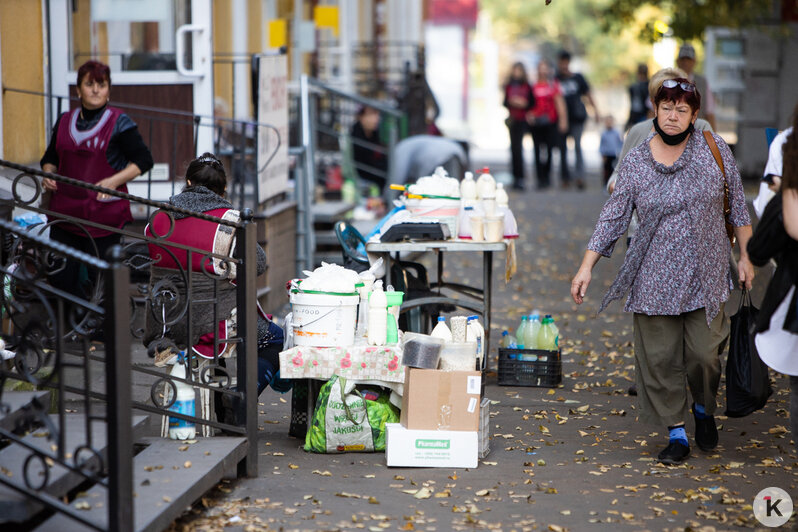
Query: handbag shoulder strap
(713, 147)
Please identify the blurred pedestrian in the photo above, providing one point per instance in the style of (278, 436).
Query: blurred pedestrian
(677, 267)
(575, 90)
(519, 101)
(776, 237)
(368, 151)
(771, 179)
(609, 146)
(686, 60)
(549, 121)
(639, 103)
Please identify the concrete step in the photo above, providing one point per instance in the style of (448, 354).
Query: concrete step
(168, 476)
(12, 406)
(17, 508)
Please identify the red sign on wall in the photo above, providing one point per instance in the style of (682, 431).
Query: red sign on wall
(459, 12)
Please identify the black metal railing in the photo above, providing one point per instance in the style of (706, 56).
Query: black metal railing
(37, 314)
(52, 330)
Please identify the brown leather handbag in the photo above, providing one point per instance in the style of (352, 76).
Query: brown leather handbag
(713, 147)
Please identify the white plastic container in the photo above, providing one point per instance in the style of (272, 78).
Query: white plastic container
(458, 357)
(494, 228)
(441, 330)
(476, 333)
(435, 210)
(502, 200)
(477, 228)
(486, 185)
(468, 189)
(181, 429)
(378, 316)
(323, 319)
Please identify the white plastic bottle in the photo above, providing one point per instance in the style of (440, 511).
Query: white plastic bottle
(181, 429)
(532, 332)
(468, 190)
(508, 341)
(486, 185)
(441, 330)
(520, 333)
(476, 333)
(378, 315)
(502, 200)
(547, 338)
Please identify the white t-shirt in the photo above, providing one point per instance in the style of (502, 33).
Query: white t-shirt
(775, 153)
(773, 167)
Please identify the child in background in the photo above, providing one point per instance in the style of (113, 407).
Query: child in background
(610, 146)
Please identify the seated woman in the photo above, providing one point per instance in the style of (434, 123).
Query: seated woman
(206, 183)
(367, 150)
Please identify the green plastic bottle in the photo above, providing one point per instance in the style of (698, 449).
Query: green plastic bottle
(547, 338)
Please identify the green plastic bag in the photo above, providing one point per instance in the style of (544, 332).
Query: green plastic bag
(347, 419)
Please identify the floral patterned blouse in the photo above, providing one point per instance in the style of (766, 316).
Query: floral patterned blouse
(682, 262)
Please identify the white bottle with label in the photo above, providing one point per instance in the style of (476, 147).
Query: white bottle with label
(441, 330)
(486, 185)
(378, 315)
(468, 190)
(181, 429)
(476, 333)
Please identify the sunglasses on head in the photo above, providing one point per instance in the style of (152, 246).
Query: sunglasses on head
(685, 86)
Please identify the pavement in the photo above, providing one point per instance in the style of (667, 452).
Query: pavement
(568, 458)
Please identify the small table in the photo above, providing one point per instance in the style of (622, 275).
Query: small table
(482, 298)
(310, 366)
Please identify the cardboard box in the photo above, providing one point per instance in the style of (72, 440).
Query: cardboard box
(430, 448)
(441, 400)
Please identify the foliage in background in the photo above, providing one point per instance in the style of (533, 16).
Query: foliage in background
(576, 25)
(688, 19)
(613, 36)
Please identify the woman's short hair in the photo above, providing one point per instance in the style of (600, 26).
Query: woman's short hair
(207, 171)
(96, 71)
(677, 94)
(661, 75)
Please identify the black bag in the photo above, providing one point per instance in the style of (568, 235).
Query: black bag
(747, 378)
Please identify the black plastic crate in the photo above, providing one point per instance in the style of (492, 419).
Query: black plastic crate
(529, 367)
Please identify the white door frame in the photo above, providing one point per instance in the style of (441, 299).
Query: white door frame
(200, 77)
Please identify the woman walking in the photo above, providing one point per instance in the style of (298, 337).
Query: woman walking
(548, 120)
(519, 101)
(677, 267)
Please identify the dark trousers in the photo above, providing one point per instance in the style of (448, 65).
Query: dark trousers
(609, 165)
(518, 128)
(75, 278)
(545, 138)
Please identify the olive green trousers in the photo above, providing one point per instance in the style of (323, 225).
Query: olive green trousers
(672, 354)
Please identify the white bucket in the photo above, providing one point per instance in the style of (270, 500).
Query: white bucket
(323, 320)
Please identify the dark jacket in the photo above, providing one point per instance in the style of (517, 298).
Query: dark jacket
(771, 241)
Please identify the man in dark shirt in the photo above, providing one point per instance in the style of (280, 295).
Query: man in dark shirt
(574, 89)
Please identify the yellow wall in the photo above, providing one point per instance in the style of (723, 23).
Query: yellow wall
(255, 30)
(22, 49)
(223, 44)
